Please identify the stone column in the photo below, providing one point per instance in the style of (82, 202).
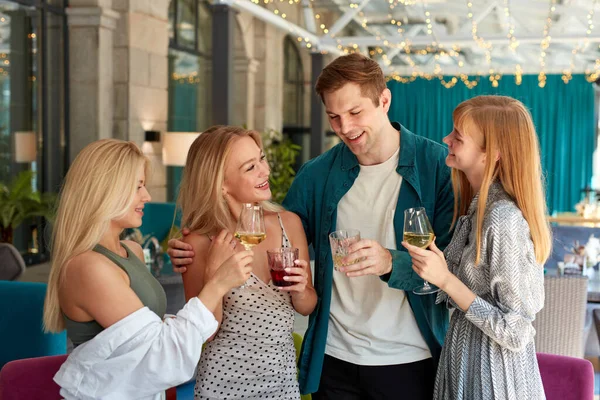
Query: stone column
(243, 107)
(268, 51)
(91, 26)
(140, 63)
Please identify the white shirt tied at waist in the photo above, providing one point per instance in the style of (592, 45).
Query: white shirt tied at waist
(138, 357)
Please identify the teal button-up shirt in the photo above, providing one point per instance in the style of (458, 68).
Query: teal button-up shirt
(314, 196)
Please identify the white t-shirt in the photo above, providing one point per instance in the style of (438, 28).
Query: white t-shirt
(369, 322)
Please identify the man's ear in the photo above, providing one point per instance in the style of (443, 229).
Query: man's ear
(385, 99)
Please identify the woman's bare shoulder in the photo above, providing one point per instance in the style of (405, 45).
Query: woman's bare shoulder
(291, 219)
(197, 241)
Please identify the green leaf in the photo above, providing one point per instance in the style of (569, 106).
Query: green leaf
(281, 153)
(19, 201)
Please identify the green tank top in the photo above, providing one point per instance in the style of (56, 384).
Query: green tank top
(145, 286)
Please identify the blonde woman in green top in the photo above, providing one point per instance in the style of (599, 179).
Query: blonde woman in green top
(99, 287)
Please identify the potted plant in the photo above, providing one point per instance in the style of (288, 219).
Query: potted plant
(19, 202)
(281, 153)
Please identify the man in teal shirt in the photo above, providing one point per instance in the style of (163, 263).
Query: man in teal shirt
(370, 337)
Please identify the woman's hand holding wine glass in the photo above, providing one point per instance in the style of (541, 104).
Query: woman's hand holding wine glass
(418, 235)
(250, 228)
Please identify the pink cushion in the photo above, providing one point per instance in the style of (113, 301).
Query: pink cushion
(566, 378)
(31, 378)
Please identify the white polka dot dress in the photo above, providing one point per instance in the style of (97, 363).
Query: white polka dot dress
(253, 355)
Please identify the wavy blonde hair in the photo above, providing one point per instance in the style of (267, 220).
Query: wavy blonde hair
(201, 201)
(99, 187)
(508, 131)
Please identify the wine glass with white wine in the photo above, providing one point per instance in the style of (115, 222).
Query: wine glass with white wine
(250, 228)
(418, 232)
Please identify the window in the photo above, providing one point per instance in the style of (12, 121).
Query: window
(33, 92)
(294, 124)
(293, 74)
(189, 65)
(190, 28)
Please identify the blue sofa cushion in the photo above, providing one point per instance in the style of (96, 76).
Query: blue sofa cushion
(21, 330)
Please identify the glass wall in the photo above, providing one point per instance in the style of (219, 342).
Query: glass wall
(293, 89)
(189, 65)
(190, 27)
(294, 120)
(33, 116)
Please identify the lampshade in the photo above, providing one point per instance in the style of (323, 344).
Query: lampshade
(176, 146)
(25, 147)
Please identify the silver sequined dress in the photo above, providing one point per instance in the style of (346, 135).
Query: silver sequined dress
(489, 351)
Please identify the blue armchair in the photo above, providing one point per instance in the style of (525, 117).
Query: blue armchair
(21, 331)
(158, 219)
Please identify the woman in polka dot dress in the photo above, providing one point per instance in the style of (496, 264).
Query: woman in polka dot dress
(252, 355)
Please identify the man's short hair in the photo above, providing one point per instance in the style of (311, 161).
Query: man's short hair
(352, 68)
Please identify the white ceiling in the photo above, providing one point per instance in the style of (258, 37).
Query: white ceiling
(437, 37)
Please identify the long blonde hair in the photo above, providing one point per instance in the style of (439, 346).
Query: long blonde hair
(201, 201)
(99, 187)
(508, 132)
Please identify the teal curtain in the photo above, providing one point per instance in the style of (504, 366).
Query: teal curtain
(563, 116)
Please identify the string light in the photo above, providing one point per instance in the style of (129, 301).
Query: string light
(513, 42)
(494, 78)
(478, 39)
(450, 84)
(191, 77)
(567, 74)
(518, 75)
(437, 70)
(469, 84)
(401, 79)
(593, 76)
(283, 15)
(545, 44)
(405, 45)
(364, 19)
(486, 46)
(395, 3)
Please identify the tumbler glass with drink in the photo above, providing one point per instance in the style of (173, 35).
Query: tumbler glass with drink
(340, 242)
(279, 259)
